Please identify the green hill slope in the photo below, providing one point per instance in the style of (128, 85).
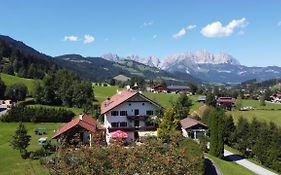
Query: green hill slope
(9, 80)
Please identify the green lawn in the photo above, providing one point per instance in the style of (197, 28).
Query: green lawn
(164, 99)
(10, 161)
(9, 80)
(230, 168)
(102, 92)
(262, 115)
(256, 105)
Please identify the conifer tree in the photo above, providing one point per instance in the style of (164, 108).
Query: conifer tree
(217, 133)
(20, 140)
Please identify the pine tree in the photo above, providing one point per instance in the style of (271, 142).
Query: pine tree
(217, 133)
(182, 105)
(228, 130)
(210, 99)
(20, 140)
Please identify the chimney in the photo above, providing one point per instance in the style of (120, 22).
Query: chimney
(81, 116)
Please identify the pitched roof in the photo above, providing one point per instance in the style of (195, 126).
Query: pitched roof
(226, 100)
(116, 100)
(190, 122)
(120, 98)
(85, 121)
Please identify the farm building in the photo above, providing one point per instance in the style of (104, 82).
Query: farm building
(226, 102)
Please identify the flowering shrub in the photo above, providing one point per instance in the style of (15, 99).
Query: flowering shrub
(178, 157)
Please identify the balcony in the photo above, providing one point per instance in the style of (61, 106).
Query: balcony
(132, 129)
(137, 117)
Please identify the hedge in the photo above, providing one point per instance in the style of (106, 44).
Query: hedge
(36, 114)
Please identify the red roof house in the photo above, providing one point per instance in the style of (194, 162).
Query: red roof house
(84, 125)
(131, 112)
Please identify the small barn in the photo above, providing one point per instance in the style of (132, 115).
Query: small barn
(78, 131)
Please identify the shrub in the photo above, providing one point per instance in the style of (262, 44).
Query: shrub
(178, 157)
(36, 114)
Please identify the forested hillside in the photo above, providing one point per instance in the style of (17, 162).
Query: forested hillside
(18, 59)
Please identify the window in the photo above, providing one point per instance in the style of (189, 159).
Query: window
(143, 104)
(123, 113)
(149, 112)
(123, 124)
(114, 113)
(114, 124)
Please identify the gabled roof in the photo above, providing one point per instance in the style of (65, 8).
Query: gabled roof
(85, 121)
(190, 122)
(226, 100)
(120, 98)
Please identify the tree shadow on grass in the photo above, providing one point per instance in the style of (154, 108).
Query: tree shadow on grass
(233, 157)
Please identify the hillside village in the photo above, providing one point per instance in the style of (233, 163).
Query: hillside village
(140, 88)
(63, 111)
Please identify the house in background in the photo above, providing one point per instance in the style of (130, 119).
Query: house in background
(226, 102)
(201, 98)
(177, 89)
(131, 112)
(159, 88)
(4, 105)
(83, 126)
(192, 128)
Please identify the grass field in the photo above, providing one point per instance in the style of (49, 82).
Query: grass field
(269, 113)
(9, 80)
(101, 92)
(256, 105)
(261, 115)
(11, 162)
(230, 168)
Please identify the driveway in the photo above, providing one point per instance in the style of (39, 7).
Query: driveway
(211, 168)
(247, 164)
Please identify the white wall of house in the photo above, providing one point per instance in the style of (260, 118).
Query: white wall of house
(135, 103)
(130, 107)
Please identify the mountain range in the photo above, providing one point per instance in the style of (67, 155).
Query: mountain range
(211, 67)
(201, 66)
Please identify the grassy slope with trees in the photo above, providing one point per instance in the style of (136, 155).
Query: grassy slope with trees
(10, 80)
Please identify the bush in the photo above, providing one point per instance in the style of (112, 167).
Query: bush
(36, 114)
(178, 157)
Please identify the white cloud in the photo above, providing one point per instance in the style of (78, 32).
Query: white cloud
(183, 31)
(70, 38)
(190, 27)
(88, 39)
(216, 29)
(279, 23)
(154, 36)
(147, 23)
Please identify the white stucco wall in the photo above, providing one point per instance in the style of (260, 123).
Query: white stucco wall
(130, 108)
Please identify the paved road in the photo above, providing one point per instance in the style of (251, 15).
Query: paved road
(247, 164)
(211, 168)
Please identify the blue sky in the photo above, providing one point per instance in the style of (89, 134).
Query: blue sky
(248, 30)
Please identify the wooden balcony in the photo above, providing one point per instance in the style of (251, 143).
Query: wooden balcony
(132, 129)
(137, 117)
